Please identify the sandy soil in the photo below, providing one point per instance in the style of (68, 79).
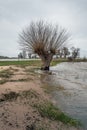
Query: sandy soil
(19, 113)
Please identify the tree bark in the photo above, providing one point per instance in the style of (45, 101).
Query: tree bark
(46, 60)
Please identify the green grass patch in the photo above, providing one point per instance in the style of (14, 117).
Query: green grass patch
(57, 61)
(29, 62)
(50, 111)
(21, 63)
(37, 63)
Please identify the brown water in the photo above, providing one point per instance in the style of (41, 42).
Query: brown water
(68, 86)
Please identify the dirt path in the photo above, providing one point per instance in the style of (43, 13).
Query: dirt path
(20, 95)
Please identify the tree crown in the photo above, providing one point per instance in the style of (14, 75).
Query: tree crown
(43, 38)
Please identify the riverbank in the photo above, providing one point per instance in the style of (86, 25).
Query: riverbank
(25, 106)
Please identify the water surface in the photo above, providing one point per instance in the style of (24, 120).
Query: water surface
(68, 86)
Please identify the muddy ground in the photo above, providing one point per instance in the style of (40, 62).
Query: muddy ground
(20, 94)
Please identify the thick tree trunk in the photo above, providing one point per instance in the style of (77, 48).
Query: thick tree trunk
(45, 65)
(46, 60)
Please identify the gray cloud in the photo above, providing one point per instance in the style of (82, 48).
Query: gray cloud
(16, 14)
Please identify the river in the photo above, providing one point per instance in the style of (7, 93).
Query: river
(68, 87)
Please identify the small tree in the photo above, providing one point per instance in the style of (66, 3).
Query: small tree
(24, 54)
(20, 55)
(29, 55)
(65, 52)
(75, 52)
(43, 39)
(60, 52)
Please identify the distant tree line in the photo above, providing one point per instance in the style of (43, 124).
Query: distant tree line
(64, 52)
(4, 57)
(71, 53)
(24, 55)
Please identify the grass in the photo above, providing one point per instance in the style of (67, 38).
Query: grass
(50, 111)
(29, 62)
(56, 61)
(21, 63)
(37, 62)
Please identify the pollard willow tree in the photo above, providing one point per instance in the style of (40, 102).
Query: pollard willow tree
(43, 39)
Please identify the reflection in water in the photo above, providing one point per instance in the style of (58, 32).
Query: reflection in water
(68, 86)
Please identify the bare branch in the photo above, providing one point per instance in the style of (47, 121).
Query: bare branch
(44, 39)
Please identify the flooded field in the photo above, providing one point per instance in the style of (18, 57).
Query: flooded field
(68, 86)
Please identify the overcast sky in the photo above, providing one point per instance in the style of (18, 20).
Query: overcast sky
(17, 14)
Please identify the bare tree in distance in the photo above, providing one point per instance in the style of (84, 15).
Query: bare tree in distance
(75, 52)
(43, 39)
(20, 55)
(65, 52)
(60, 52)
